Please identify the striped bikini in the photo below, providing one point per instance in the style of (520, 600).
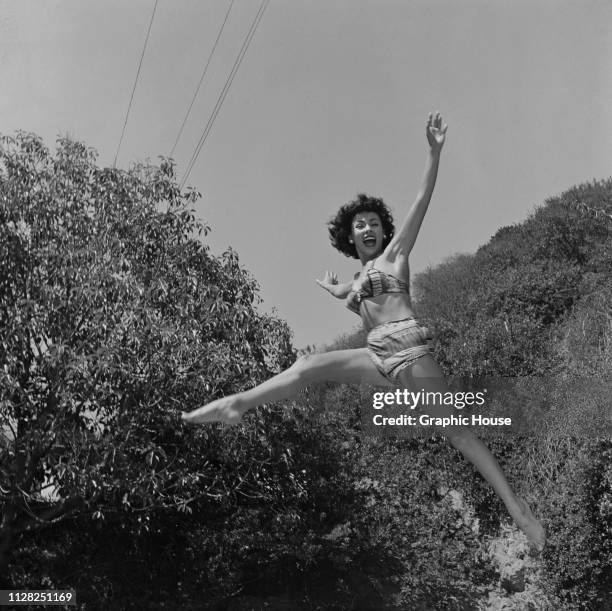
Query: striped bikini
(396, 344)
(375, 283)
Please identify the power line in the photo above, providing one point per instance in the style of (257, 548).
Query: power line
(127, 114)
(195, 95)
(224, 91)
(226, 87)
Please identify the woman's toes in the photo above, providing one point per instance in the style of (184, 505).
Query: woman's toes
(222, 410)
(532, 528)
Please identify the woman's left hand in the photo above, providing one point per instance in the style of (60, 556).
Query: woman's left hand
(436, 132)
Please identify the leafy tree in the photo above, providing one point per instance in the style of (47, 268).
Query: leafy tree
(114, 316)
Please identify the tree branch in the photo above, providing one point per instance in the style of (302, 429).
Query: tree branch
(51, 516)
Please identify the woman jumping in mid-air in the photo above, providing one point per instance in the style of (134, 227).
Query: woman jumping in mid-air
(397, 352)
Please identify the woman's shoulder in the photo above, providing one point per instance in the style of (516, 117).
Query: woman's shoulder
(364, 270)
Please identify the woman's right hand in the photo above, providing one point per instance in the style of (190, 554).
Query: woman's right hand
(329, 283)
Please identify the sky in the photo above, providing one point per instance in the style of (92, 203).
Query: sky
(330, 101)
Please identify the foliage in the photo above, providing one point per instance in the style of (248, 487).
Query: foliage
(498, 312)
(114, 317)
(439, 561)
(577, 501)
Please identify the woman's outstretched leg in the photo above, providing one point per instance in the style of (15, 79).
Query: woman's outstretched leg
(425, 374)
(345, 366)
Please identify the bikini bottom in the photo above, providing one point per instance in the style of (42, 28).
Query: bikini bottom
(396, 345)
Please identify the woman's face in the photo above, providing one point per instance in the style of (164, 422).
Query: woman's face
(367, 234)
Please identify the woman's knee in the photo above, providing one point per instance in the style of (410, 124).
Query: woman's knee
(460, 438)
(306, 365)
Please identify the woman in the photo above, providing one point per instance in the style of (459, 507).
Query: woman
(397, 353)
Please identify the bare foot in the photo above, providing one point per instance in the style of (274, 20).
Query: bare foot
(227, 409)
(529, 524)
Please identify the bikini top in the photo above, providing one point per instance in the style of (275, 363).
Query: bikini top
(375, 283)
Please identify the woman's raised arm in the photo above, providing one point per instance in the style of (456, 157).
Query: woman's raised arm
(404, 239)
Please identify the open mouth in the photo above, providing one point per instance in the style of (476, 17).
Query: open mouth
(370, 241)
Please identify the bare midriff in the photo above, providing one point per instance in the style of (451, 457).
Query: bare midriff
(384, 308)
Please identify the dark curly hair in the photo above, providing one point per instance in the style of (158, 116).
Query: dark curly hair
(340, 225)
